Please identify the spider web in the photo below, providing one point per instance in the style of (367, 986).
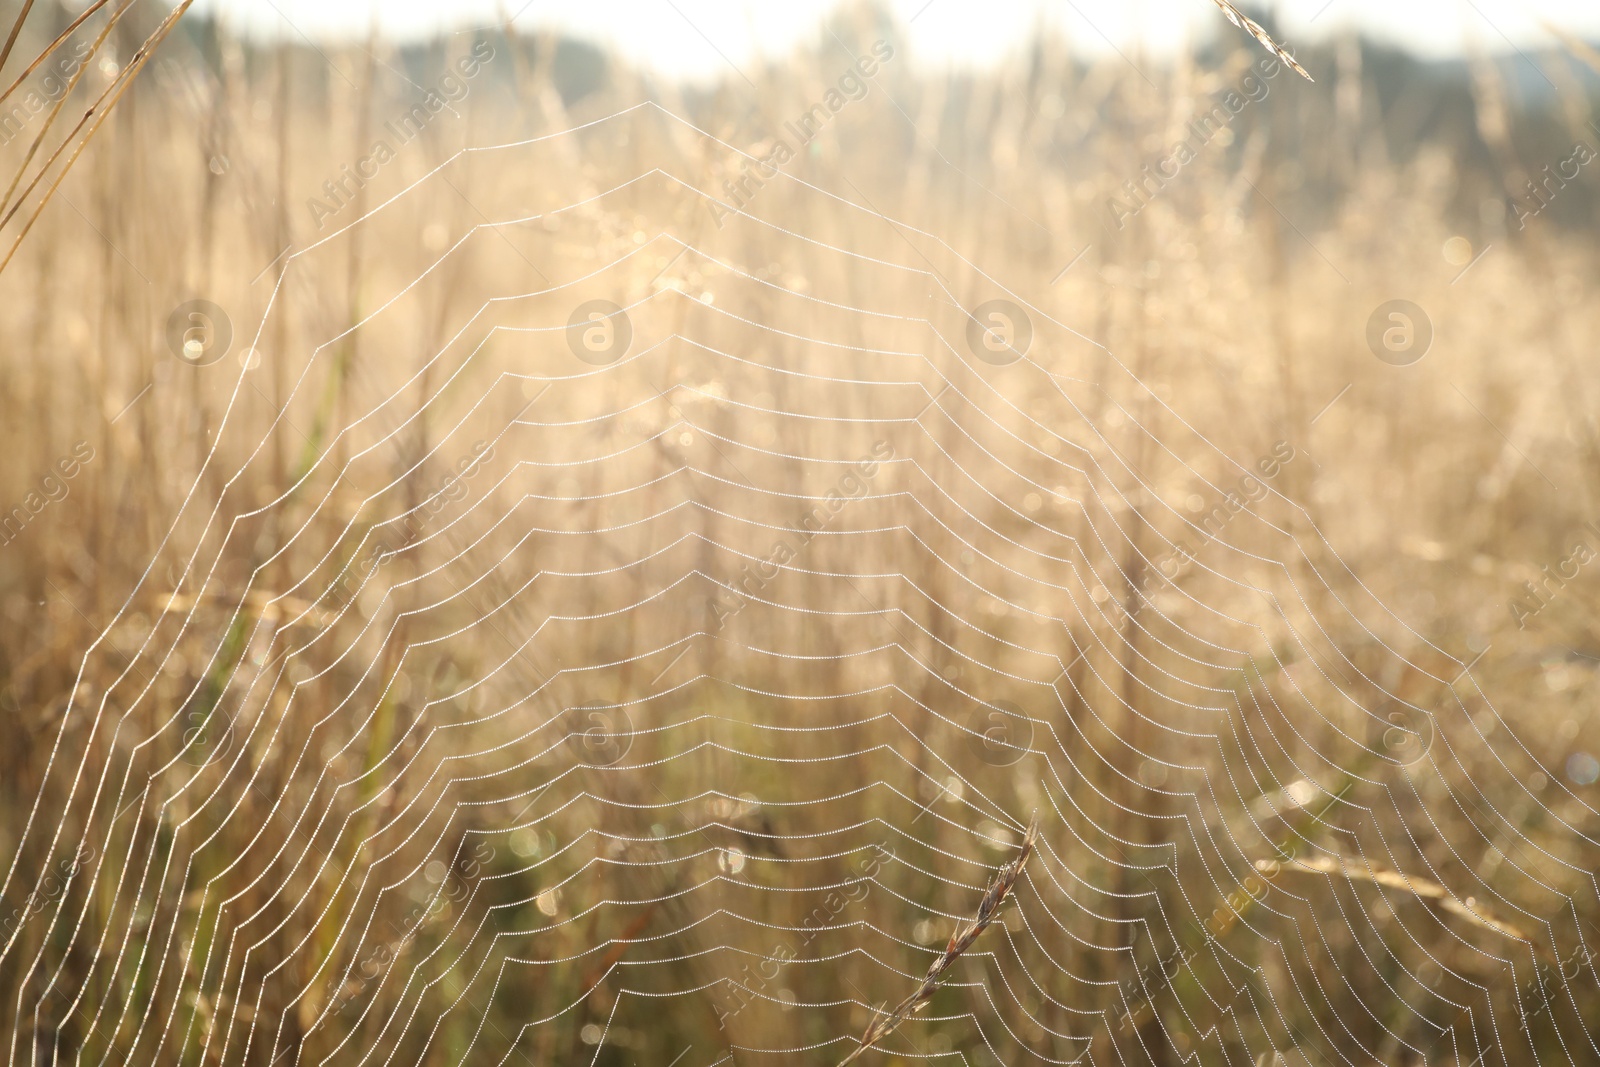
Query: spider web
(678, 647)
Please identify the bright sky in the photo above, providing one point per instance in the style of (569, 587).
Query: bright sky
(700, 38)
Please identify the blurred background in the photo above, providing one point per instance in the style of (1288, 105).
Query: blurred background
(585, 535)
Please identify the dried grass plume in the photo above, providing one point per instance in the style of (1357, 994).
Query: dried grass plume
(1254, 29)
(999, 889)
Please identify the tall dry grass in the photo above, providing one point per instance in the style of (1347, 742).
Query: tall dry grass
(525, 792)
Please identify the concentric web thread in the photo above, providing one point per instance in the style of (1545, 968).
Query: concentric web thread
(676, 646)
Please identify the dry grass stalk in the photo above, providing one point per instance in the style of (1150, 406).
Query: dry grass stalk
(1421, 888)
(57, 366)
(7, 208)
(97, 112)
(50, 50)
(102, 106)
(16, 31)
(989, 907)
(1254, 29)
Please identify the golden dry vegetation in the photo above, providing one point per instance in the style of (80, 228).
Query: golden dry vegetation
(394, 685)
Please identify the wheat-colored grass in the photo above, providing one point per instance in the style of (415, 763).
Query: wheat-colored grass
(1239, 294)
